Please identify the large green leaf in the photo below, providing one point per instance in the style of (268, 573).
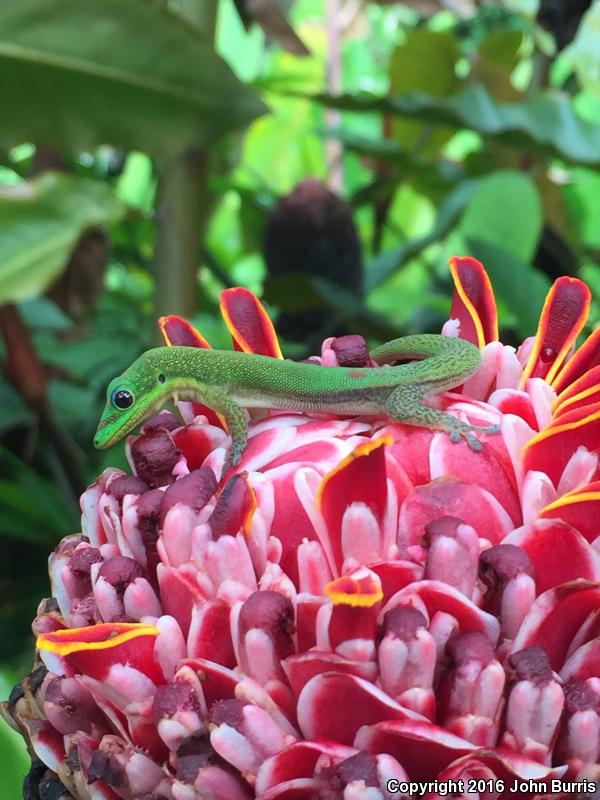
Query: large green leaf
(505, 210)
(13, 753)
(40, 223)
(529, 7)
(32, 507)
(384, 265)
(295, 292)
(498, 55)
(583, 198)
(584, 50)
(14, 410)
(545, 123)
(436, 53)
(125, 72)
(430, 172)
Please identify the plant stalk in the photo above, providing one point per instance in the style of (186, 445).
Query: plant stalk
(333, 147)
(182, 203)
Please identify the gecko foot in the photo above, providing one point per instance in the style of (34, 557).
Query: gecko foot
(457, 430)
(402, 406)
(472, 440)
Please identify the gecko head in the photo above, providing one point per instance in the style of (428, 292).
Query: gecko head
(131, 398)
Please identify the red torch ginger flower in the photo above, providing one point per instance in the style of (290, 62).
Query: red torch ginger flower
(360, 608)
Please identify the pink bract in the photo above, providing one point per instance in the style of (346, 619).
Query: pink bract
(358, 603)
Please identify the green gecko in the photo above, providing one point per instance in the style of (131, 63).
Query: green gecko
(229, 381)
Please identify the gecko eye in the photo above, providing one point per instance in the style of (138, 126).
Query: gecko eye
(122, 399)
(161, 378)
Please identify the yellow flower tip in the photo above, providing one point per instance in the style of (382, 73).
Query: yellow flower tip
(468, 303)
(356, 592)
(361, 451)
(569, 499)
(93, 637)
(238, 307)
(553, 429)
(249, 514)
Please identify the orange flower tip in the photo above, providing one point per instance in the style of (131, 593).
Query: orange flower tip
(223, 421)
(249, 513)
(357, 592)
(361, 451)
(248, 322)
(163, 323)
(178, 331)
(93, 637)
(565, 311)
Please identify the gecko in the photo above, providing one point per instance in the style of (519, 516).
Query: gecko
(230, 381)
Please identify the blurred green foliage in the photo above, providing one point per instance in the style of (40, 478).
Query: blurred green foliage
(468, 132)
(13, 757)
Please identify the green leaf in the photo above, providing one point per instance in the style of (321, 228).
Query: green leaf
(429, 171)
(13, 752)
(292, 293)
(75, 75)
(280, 150)
(436, 53)
(545, 123)
(43, 313)
(497, 57)
(529, 7)
(14, 760)
(505, 211)
(254, 212)
(583, 198)
(91, 359)
(31, 506)
(136, 184)
(40, 223)
(14, 410)
(384, 265)
(77, 406)
(584, 50)
(14, 523)
(297, 292)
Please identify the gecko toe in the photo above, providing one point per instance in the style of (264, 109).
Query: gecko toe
(473, 442)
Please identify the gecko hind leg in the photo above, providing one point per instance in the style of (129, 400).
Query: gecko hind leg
(406, 406)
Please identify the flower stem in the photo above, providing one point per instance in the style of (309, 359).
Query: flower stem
(181, 208)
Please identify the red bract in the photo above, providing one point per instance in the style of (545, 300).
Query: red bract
(359, 603)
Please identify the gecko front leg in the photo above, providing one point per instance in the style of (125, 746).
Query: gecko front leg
(237, 427)
(405, 405)
(232, 413)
